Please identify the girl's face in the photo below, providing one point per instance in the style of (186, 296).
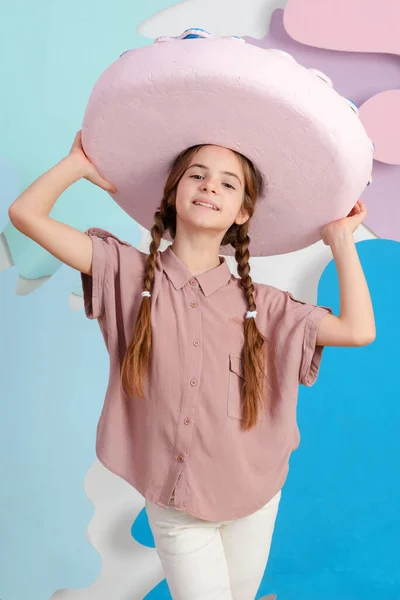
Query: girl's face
(211, 191)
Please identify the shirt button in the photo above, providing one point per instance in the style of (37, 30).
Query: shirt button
(193, 382)
(180, 459)
(193, 304)
(187, 421)
(192, 281)
(196, 343)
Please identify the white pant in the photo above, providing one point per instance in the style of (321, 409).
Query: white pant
(204, 560)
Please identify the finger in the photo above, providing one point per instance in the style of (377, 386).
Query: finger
(77, 140)
(362, 209)
(109, 187)
(359, 220)
(355, 219)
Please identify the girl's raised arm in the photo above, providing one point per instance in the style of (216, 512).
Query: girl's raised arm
(29, 213)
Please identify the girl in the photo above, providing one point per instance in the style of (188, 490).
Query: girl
(200, 409)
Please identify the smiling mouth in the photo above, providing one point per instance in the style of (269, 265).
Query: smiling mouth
(205, 205)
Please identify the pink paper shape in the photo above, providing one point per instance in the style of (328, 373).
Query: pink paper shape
(350, 25)
(381, 118)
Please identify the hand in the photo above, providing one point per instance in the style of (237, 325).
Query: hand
(88, 169)
(346, 225)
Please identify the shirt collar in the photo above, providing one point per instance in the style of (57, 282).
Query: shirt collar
(179, 274)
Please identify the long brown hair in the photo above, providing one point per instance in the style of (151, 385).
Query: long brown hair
(138, 355)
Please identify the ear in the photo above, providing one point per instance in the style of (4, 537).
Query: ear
(242, 216)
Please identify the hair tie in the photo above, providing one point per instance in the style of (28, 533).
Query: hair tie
(251, 314)
(146, 294)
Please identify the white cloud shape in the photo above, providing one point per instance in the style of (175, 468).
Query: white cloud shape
(219, 17)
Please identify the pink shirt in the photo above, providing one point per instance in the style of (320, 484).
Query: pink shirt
(186, 432)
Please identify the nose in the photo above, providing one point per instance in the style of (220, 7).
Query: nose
(208, 186)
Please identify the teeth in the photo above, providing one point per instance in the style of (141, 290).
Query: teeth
(206, 205)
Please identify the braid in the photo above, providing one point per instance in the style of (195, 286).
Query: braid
(254, 361)
(138, 355)
(157, 232)
(242, 256)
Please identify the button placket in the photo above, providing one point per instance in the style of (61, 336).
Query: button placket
(192, 366)
(196, 328)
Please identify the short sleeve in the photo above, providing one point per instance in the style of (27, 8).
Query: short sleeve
(105, 264)
(306, 318)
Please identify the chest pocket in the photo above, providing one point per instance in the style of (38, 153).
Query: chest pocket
(235, 389)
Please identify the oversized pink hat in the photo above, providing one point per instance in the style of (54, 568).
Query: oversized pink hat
(306, 140)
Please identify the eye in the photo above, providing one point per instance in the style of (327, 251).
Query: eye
(199, 176)
(230, 186)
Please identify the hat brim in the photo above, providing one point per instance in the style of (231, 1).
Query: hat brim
(311, 149)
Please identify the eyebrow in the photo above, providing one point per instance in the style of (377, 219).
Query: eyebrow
(223, 172)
